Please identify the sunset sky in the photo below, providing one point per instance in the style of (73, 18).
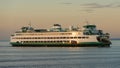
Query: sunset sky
(44, 13)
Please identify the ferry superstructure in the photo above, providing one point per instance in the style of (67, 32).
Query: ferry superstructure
(59, 37)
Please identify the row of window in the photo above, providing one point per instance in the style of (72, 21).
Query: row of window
(51, 38)
(44, 41)
(46, 34)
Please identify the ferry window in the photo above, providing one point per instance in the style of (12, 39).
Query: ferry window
(57, 37)
(87, 37)
(35, 37)
(42, 37)
(18, 34)
(64, 41)
(70, 33)
(83, 37)
(52, 38)
(71, 37)
(68, 37)
(75, 37)
(64, 37)
(49, 37)
(79, 37)
(60, 41)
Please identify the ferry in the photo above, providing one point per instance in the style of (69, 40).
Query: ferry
(57, 36)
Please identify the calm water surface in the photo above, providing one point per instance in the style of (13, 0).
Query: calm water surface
(59, 57)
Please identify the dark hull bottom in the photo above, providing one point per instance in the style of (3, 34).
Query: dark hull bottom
(63, 45)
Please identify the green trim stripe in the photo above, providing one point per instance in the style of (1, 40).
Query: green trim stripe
(61, 44)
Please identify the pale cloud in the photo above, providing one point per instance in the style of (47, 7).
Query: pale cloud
(66, 3)
(91, 7)
(96, 5)
(118, 6)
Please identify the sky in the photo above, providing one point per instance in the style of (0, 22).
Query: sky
(14, 14)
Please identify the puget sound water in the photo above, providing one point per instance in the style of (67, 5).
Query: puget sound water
(59, 57)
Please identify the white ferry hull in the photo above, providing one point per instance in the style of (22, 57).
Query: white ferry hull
(77, 42)
(57, 37)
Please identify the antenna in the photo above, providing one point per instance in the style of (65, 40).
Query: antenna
(86, 21)
(29, 23)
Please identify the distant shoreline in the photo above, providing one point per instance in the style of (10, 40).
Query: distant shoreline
(3, 40)
(115, 38)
